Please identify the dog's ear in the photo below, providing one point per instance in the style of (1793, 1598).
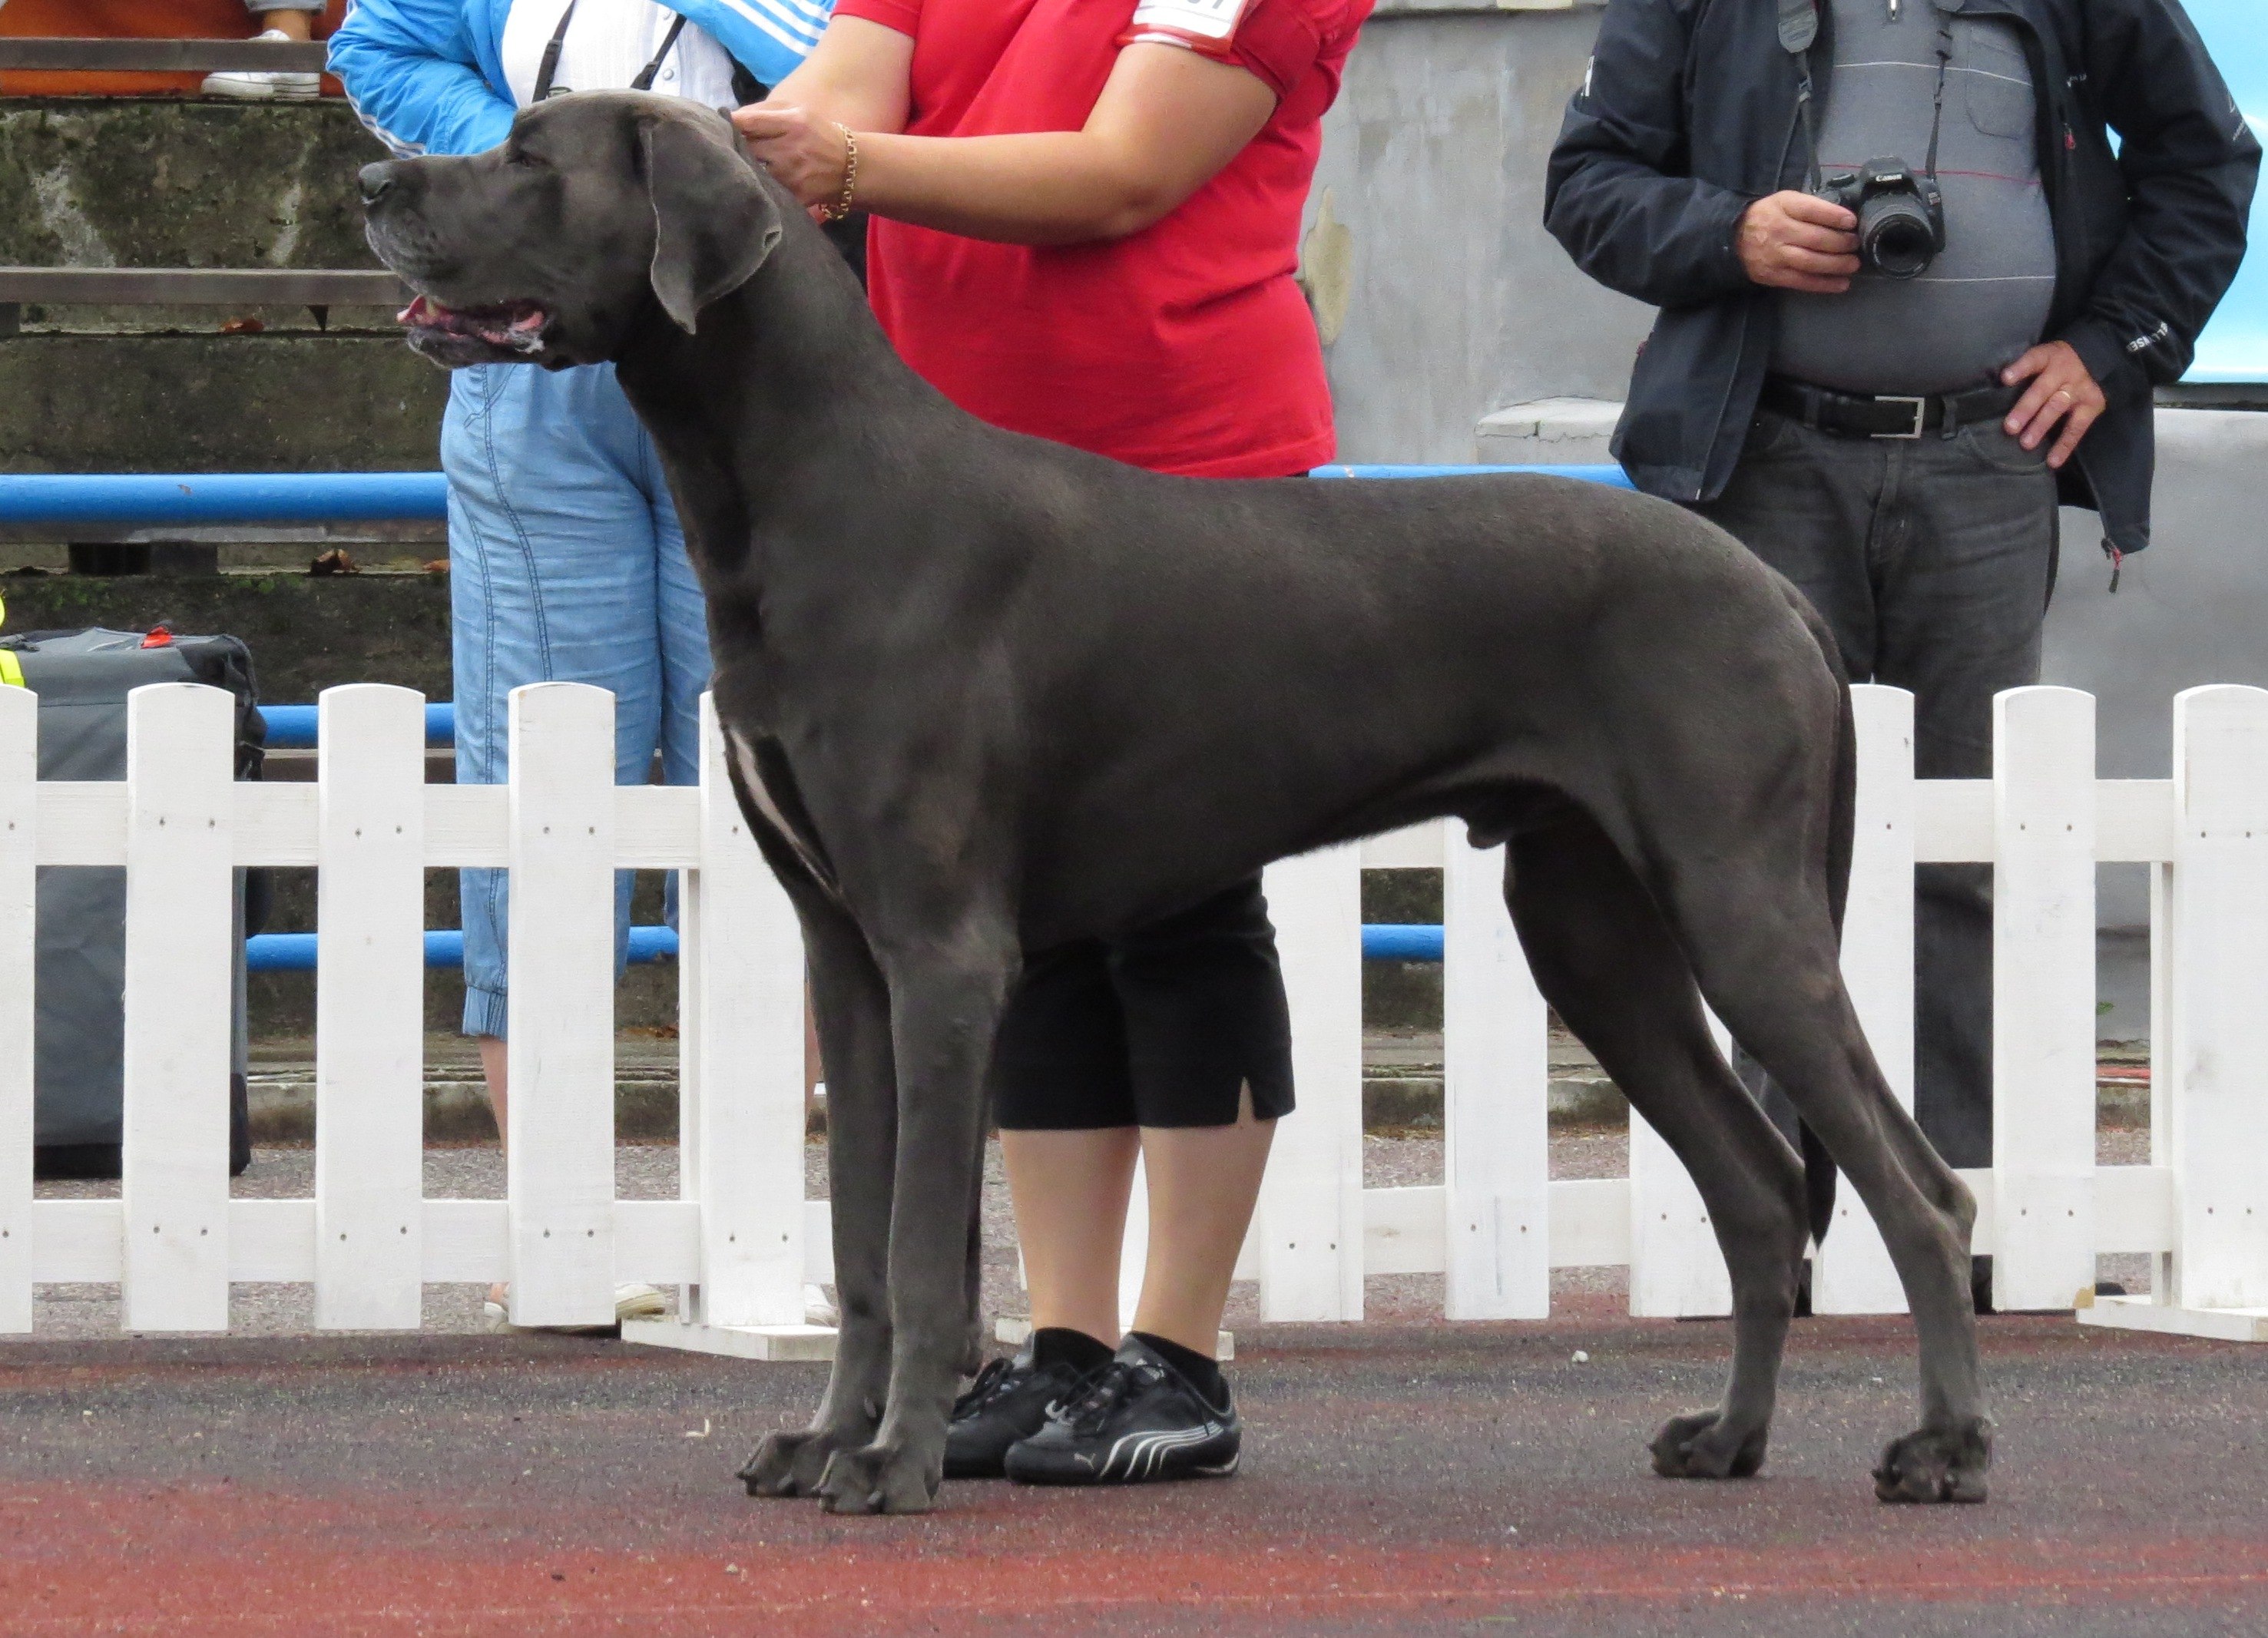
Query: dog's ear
(713, 223)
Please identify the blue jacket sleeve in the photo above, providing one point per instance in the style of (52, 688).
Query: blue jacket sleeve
(417, 73)
(1618, 193)
(768, 38)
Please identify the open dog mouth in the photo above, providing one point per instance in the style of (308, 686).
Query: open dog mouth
(512, 329)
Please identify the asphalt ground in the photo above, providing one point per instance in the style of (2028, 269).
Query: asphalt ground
(1400, 1476)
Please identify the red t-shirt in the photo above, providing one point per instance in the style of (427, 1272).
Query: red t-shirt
(1185, 347)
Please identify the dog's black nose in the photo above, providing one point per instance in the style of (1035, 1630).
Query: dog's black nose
(377, 181)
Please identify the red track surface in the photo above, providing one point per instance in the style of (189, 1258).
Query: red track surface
(1396, 1480)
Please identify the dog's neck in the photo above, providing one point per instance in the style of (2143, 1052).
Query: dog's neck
(788, 375)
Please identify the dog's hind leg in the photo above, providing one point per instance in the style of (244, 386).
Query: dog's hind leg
(1762, 937)
(948, 991)
(1605, 960)
(852, 1007)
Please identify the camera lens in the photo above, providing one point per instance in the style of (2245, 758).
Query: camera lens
(1894, 235)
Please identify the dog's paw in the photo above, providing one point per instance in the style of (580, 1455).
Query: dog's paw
(1937, 1463)
(1702, 1446)
(881, 1478)
(788, 1464)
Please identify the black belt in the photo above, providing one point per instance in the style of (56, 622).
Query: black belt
(1853, 415)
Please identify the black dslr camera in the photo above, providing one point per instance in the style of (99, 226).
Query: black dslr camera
(1901, 215)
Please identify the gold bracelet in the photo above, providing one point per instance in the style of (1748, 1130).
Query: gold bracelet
(840, 208)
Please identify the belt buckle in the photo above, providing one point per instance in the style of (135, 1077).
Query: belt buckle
(1921, 413)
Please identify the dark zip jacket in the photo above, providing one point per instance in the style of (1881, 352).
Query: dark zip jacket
(1689, 112)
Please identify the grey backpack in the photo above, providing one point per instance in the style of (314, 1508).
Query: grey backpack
(82, 678)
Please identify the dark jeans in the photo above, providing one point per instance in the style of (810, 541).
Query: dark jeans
(1931, 559)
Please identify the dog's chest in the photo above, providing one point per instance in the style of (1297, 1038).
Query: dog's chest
(765, 776)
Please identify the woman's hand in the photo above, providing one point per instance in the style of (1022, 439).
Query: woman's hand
(807, 155)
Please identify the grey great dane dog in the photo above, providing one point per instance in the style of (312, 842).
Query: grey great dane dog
(985, 695)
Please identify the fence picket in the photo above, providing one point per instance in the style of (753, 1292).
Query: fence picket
(1675, 1270)
(559, 1159)
(1851, 1272)
(181, 923)
(1495, 1158)
(2043, 998)
(370, 1007)
(1311, 1199)
(747, 1144)
(19, 770)
(2218, 1126)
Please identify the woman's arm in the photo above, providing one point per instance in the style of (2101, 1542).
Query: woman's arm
(1166, 123)
(411, 72)
(857, 76)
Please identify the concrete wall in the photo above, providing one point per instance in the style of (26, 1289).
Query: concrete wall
(1440, 296)
(2193, 609)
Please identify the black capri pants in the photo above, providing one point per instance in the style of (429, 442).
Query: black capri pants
(1165, 1026)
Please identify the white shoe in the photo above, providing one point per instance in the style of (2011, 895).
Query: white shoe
(631, 1302)
(263, 84)
(638, 1302)
(817, 1310)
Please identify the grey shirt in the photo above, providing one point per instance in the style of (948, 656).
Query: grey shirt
(1985, 297)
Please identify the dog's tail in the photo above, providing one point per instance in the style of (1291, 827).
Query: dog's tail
(1842, 826)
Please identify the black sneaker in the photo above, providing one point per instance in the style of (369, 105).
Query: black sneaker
(1008, 1401)
(1138, 1420)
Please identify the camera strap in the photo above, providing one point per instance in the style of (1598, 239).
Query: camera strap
(1799, 29)
(1937, 111)
(549, 68)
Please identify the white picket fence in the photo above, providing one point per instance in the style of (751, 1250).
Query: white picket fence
(742, 1241)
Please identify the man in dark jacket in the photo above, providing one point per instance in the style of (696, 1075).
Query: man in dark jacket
(1896, 445)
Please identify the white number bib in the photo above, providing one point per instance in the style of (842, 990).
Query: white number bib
(1206, 25)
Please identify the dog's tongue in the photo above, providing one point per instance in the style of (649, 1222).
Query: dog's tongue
(516, 326)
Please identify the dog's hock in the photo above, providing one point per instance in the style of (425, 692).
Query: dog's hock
(713, 223)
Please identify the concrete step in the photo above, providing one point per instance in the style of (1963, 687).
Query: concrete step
(155, 182)
(130, 182)
(215, 403)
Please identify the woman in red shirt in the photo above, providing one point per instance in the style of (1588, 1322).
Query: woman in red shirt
(1085, 219)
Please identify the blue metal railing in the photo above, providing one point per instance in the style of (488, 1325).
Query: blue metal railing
(295, 952)
(292, 727)
(1613, 477)
(444, 947)
(177, 499)
(181, 499)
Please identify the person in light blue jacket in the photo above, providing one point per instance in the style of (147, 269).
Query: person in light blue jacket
(566, 560)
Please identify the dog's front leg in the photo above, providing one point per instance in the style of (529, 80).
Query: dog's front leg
(948, 996)
(853, 1006)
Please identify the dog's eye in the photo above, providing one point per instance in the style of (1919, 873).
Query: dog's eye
(513, 156)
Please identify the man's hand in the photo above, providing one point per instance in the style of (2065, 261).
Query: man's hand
(1793, 242)
(2062, 390)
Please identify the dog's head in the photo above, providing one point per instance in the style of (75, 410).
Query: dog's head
(549, 248)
